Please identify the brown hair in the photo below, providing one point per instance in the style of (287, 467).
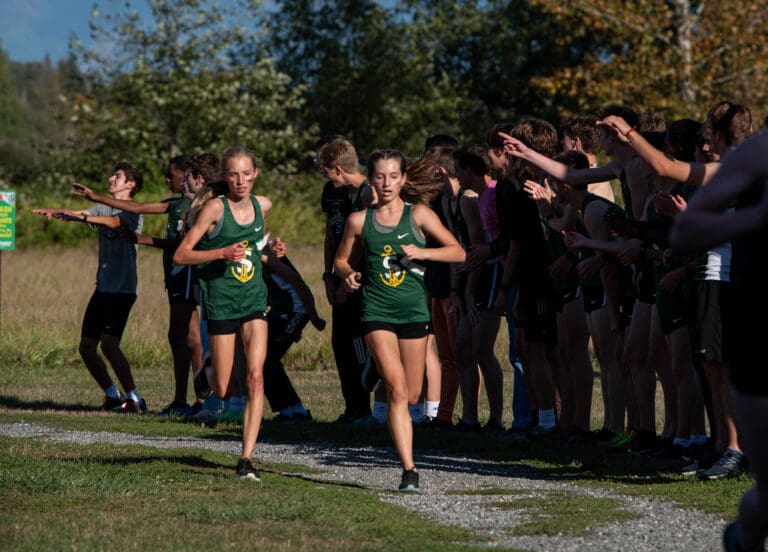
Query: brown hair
(339, 152)
(132, 174)
(205, 164)
(733, 122)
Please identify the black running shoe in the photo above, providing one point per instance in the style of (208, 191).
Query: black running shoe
(410, 482)
(110, 403)
(732, 462)
(245, 470)
(176, 409)
(131, 407)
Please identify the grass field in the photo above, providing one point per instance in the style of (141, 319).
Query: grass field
(102, 496)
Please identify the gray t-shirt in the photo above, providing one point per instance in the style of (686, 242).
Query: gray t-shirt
(117, 256)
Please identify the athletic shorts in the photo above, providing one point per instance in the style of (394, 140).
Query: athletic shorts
(412, 330)
(539, 321)
(231, 325)
(709, 319)
(567, 294)
(181, 287)
(672, 310)
(107, 313)
(594, 298)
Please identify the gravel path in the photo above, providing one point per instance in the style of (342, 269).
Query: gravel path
(660, 526)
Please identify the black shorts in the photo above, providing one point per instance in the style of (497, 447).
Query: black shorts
(181, 287)
(231, 325)
(594, 298)
(709, 319)
(672, 310)
(412, 330)
(107, 313)
(539, 321)
(567, 294)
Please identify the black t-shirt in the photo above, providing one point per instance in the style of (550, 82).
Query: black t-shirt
(338, 203)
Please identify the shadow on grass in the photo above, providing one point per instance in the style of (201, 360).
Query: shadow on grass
(18, 404)
(190, 461)
(370, 447)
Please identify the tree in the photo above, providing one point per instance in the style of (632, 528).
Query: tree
(678, 56)
(368, 75)
(190, 79)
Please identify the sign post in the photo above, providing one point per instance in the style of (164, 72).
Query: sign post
(7, 231)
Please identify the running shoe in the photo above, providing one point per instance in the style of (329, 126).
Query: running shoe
(229, 416)
(110, 403)
(131, 407)
(245, 470)
(732, 462)
(645, 441)
(410, 482)
(472, 427)
(494, 425)
(295, 417)
(176, 409)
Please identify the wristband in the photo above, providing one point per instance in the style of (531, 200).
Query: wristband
(630, 131)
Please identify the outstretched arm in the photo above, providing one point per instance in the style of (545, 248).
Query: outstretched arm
(560, 171)
(693, 174)
(127, 205)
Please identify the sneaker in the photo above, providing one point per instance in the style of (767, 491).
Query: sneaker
(345, 418)
(604, 435)
(578, 436)
(730, 463)
(368, 420)
(671, 451)
(472, 427)
(440, 425)
(370, 377)
(295, 417)
(644, 442)
(690, 469)
(131, 407)
(176, 409)
(540, 432)
(245, 470)
(205, 415)
(229, 416)
(200, 382)
(410, 482)
(494, 425)
(110, 403)
(620, 441)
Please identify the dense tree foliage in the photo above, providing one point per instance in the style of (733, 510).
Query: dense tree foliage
(275, 76)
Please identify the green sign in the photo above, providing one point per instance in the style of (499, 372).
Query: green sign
(7, 220)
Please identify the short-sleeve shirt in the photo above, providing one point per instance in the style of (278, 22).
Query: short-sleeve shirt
(117, 256)
(338, 203)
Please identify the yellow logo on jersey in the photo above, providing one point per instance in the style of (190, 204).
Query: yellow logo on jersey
(244, 270)
(395, 273)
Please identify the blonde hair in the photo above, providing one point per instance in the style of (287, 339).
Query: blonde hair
(203, 195)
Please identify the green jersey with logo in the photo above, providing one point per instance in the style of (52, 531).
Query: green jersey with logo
(233, 290)
(394, 286)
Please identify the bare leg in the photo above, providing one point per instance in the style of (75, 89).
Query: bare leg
(110, 346)
(254, 334)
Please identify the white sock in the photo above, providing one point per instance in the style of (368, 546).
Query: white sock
(698, 439)
(547, 418)
(112, 392)
(237, 404)
(682, 442)
(416, 411)
(380, 411)
(432, 407)
(133, 395)
(299, 409)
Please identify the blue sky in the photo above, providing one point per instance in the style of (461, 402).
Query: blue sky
(30, 29)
